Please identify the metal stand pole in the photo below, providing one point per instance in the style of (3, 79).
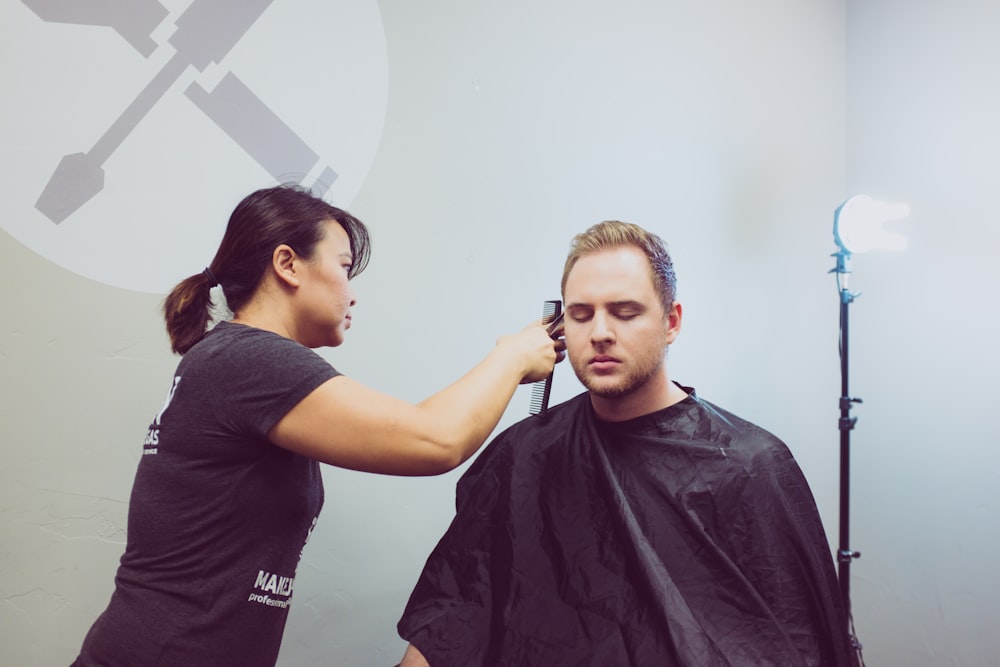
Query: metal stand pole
(846, 424)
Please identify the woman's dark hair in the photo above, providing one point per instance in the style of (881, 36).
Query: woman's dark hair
(265, 219)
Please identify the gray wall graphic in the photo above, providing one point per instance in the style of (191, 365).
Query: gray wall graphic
(205, 33)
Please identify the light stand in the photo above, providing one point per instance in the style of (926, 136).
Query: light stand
(857, 227)
(846, 424)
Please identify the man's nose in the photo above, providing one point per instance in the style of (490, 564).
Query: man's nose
(601, 330)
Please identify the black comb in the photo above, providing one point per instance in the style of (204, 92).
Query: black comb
(551, 315)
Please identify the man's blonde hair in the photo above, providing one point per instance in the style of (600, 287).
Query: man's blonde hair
(615, 234)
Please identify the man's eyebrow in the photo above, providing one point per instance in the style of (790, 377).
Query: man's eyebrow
(623, 303)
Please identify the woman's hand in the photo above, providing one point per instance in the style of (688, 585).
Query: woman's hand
(538, 350)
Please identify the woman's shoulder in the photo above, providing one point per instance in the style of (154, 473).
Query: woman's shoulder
(238, 344)
(231, 335)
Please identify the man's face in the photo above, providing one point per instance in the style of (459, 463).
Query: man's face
(616, 330)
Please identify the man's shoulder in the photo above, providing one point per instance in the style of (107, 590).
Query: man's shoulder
(537, 432)
(554, 421)
(739, 433)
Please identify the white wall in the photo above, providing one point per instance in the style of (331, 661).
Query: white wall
(923, 104)
(732, 129)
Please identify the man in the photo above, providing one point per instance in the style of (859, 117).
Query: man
(635, 524)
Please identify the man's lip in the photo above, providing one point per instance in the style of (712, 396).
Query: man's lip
(603, 359)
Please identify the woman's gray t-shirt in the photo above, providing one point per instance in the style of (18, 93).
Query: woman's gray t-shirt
(218, 515)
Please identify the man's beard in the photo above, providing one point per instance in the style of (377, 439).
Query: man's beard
(625, 385)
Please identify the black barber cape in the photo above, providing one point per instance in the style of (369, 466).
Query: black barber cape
(685, 537)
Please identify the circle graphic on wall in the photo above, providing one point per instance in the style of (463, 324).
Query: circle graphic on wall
(129, 133)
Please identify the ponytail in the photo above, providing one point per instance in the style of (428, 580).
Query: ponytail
(186, 310)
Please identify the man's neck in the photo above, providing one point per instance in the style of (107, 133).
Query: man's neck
(651, 397)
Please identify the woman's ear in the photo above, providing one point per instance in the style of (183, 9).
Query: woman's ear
(284, 263)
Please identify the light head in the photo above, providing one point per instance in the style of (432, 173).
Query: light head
(858, 225)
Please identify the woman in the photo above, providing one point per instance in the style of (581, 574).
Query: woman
(229, 487)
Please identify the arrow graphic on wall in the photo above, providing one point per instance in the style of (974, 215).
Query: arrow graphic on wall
(206, 33)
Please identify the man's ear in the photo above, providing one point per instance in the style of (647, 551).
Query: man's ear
(674, 316)
(285, 264)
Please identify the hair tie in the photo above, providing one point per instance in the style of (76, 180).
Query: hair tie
(218, 307)
(212, 280)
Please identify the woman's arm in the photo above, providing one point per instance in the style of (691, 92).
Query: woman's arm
(346, 424)
(413, 658)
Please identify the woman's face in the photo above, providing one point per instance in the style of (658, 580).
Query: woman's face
(325, 296)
